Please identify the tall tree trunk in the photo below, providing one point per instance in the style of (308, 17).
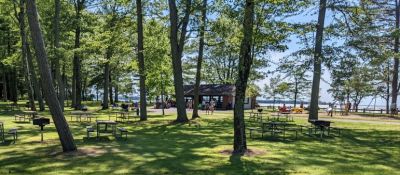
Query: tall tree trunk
(110, 88)
(21, 21)
(73, 93)
(13, 85)
(35, 82)
(195, 113)
(116, 100)
(395, 79)
(106, 84)
(388, 89)
(244, 66)
(140, 55)
(296, 92)
(313, 113)
(77, 59)
(177, 45)
(4, 80)
(65, 135)
(60, 83)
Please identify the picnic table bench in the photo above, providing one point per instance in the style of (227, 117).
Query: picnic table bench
(2, 132)
(82, 114)
(273, 127)
(29, 114)
(257, 116)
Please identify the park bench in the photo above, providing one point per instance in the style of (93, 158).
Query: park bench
(14, 133)
(89, 129)
(123, 131)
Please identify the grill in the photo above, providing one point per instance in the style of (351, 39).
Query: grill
(41, 122)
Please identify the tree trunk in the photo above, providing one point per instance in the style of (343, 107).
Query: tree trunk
(395, 79)
(140, 55)
(73, 89)
(35, 82)
(296, 92)
(116, 93)
(13, 85)
(244, 66)
(106, 84)
(313, 113)
(66, 138)
(177, 45)
(388, 89)
(77, 59)
(195, 113)
(4, 80)
(21, 21)
(60, 83)
(110, 88)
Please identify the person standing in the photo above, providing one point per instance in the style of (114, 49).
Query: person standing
(212, 106)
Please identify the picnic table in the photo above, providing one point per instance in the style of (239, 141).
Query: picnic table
(282, 114)
(257, 116)
(82, 114)
(322, 126)
(119, 115)
(30, 114)
(106, 123)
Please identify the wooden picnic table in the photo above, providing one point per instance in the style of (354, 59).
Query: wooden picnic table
(322, 126)
(106, 123)
(119, 115)
(30, 114)
(85, 114)
(275, 126)
(279, 115)
(258, 116)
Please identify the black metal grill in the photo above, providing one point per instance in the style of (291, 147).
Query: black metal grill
(41, 121)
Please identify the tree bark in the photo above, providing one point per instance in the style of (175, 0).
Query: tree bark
(110, 87)
(106, 84)
(116, 93)
(296, 91)
(177, 45)
(60, 83)
(244, 66)
(35, 82)
(77, 59)
(395, 79)
(140, 55)
(24, 57)
(313, 113)
(388, 89)
(195, 113)
(65, 135)
(5, 94)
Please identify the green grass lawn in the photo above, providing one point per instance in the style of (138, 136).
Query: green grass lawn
(159, 147)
